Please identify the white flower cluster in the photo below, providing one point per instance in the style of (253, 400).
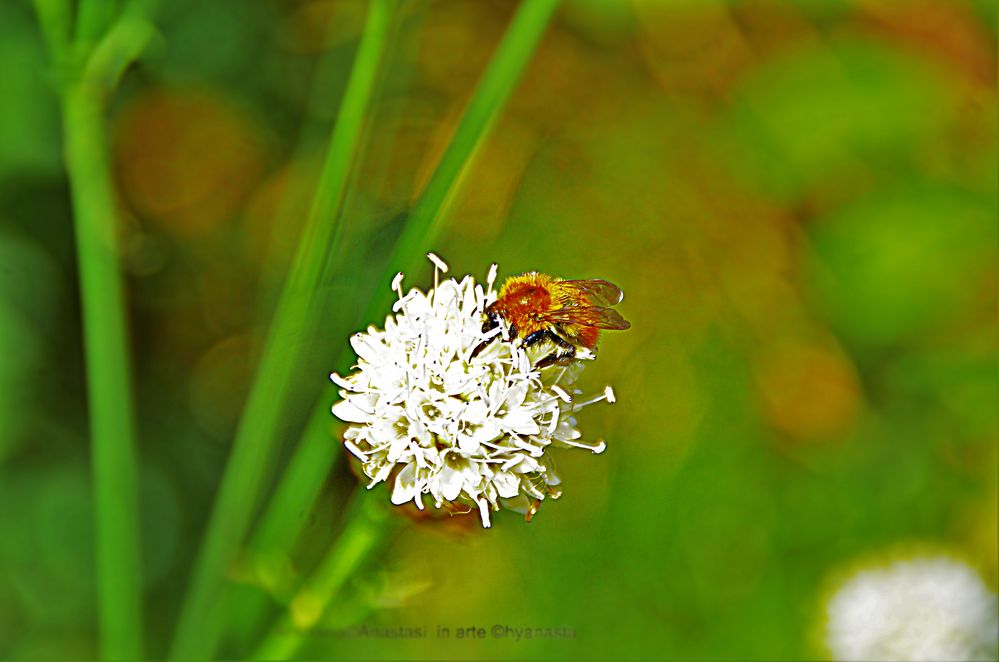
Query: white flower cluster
(919, 609)
(432, 420)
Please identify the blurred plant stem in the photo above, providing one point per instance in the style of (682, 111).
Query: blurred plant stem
(55, 19)
(368, 523)
(108, 380)
(109, 392)
(314, 456)
(300, 486)
(92, 19)
(285, 516)
(198, 626)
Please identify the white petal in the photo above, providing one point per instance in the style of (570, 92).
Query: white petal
(506, 484)
(597, 447)
(450, 482)
(439, 263)
(515, 396)
(365, 348)
(347, 411)
(491, 276)
(552, 424)
(488, 431)
(417, 455)
(378, 474)
(468, 296)
(522, 443)
(521, 422)
(398, 446)
(565, 397)
(405, 485)
(475, 412)
(566, 430)
(484, 513)
(355, 451)
(343, 382)
(404, 302)
(468, 445)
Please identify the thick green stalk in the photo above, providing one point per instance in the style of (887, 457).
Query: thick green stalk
(257, 432)
(368, 524)
(108, 383)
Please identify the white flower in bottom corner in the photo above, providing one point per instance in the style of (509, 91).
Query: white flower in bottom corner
(435, 422)
(919, 609)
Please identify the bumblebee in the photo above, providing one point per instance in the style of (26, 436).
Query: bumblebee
(569, 313)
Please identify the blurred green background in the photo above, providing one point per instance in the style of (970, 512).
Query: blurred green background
(799, 200)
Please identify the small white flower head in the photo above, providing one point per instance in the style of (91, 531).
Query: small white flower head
(437, 423)
(919, 609)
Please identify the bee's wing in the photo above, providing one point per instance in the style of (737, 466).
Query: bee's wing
(595, 316)
(598, 292)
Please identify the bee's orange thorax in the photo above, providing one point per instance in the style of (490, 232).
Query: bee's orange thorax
(524, 300)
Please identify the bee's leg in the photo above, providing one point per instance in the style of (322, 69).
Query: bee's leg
(567, 354)
(481, 346)
(491, 323)
(536, 337)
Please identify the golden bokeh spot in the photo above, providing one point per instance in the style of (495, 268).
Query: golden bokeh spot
(186, 160)
(808, 390)
(312, 27)
(695, 50)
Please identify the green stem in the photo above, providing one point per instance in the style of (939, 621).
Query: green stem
(368, 524)
(54, 19)
(108, 382)
(109, 393)
(496, 84)
(92, 19)
(257, 431)
(498, 81)
(314, 455)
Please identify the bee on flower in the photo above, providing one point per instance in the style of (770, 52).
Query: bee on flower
(449, 404)
(568, 313)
